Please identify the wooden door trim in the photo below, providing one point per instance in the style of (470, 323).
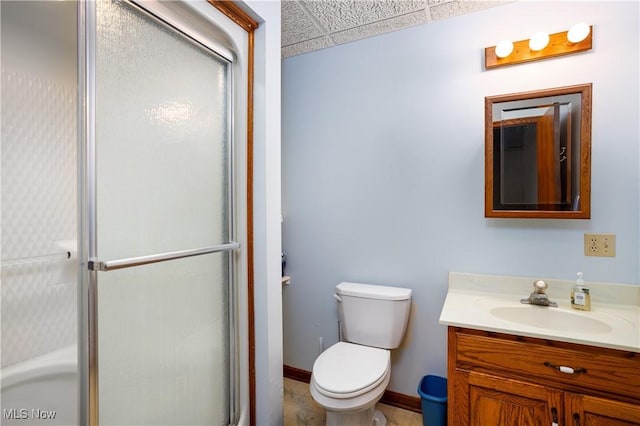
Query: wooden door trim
(234, 12)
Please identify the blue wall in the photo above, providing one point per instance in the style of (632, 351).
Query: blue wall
(383, 169)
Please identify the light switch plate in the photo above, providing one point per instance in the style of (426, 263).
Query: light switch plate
(600, 245)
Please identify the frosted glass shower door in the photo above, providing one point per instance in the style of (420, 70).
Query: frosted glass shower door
(162, 254)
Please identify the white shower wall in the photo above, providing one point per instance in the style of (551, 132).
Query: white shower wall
(38, 189)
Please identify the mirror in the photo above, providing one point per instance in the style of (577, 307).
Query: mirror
(538, 154)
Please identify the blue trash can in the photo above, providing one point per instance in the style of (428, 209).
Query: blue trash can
(433, 393)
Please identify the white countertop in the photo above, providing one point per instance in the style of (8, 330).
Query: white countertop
(471, 298)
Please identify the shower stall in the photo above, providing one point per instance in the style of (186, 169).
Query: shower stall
(119, 237)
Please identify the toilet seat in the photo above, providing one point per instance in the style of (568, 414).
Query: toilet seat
(347, 370)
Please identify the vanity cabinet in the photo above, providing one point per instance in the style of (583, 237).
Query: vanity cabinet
(501, 380)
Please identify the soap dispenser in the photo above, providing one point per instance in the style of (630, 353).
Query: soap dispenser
(580, 297)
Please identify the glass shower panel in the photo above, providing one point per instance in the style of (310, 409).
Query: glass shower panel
(162, 158)
(161, 130)
(163, 357)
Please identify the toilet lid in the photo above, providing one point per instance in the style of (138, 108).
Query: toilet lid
(347, 368)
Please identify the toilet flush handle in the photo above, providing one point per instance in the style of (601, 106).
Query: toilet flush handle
(337, 297)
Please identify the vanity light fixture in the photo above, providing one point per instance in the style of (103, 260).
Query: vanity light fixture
(540, 46)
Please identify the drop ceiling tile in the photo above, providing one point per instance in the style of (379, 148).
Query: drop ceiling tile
(455, 8)
(381, 27)
(317, 24)
(344, 14)
(306, 46)
(299, 26)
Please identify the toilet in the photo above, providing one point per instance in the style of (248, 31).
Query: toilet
(349, 378)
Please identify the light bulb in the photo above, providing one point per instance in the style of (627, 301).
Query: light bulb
(539, 41)
(504, 48)
(578, 32)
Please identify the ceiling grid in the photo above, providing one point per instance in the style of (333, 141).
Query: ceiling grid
(309, 25)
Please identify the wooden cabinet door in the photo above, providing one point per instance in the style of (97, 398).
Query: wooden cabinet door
(498, 401)
(582, 410)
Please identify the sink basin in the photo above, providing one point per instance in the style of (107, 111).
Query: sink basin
(550, 318)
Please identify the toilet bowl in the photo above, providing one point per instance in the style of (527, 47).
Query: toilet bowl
(350, 377)
(348, 380)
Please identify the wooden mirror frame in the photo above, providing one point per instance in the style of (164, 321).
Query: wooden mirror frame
(583, 210)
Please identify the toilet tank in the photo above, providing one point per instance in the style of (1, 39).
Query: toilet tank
(373, 315)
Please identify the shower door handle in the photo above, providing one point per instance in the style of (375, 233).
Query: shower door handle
(111, 265)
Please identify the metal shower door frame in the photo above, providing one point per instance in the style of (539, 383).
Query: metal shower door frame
(90, 265)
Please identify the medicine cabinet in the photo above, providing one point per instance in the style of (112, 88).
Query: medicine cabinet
(538, 154)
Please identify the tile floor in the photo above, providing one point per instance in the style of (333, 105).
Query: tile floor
(300, 409)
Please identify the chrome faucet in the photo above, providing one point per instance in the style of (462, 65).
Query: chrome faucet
(538, 296)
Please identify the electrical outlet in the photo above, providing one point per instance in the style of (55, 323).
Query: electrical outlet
(600, 245)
